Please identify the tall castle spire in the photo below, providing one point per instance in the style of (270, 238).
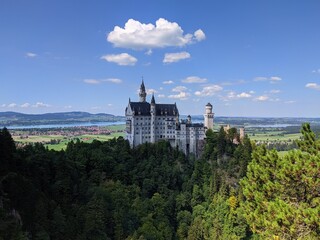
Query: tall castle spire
(142, 93)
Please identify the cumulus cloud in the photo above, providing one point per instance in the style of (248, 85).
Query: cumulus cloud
(182, 93)
(25, 105)
(12, 105)
(194, 79)
(181, 96)
(41, 105)
(232, 95)
(209, 90)
(175, 57)
(168, 82)
(122, 59)
(244, 95)
(150, 91)
(262, 98)
(31, 55)
(161, 96)
(199, 35)
(313, 86)
(272, 79)
(139, 36)
(179, 89)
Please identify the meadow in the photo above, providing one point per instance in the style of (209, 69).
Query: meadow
(60, 139)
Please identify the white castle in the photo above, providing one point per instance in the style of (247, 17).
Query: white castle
(151, 122)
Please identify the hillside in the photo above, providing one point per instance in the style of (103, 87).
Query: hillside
(15, 118)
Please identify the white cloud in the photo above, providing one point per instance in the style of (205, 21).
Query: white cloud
(275, 79)
(179, 89)
(199, 35)
(113, 80)
(139, 36)
(91, 81)
(275, 91)
(168, 82)
(209, 90)
(41, 105)
(150, 91)
(122, 59)
(181, 96)
(98, 81)
(109, 104)
(194, 79)
(233, 95)
(175, 57)
(313, 86)
(244, 95)
(3, 105)
(31, 55)
(12, 105)
(262, 98)
(149, 52)
(316, 71)
(68, 107)
(271, 79)
(25, 105)
(161, 96)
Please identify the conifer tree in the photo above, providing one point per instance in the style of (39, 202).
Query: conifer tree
(282, 196)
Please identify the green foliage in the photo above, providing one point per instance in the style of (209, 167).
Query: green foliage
(282, 193)
(106, 190)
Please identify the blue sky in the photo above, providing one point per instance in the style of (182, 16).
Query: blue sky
(248, 58)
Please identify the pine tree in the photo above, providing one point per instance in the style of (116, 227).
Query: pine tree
(282, 196)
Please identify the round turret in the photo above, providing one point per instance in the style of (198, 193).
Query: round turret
(208, 108)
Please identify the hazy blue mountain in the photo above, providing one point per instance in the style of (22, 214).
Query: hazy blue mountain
(15, 118)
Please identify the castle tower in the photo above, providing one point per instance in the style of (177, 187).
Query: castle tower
(189, 119)
(208, 117)
(153, 120)
(142, 93)
(242, 133)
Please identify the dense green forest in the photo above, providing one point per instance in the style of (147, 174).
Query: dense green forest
(106, 190)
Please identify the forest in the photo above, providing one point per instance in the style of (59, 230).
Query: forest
(107, 190)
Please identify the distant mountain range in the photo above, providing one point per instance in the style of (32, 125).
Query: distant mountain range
(20, 119)
(15, 118)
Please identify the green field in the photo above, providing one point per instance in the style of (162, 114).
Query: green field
(46, 140)
(274, 136)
